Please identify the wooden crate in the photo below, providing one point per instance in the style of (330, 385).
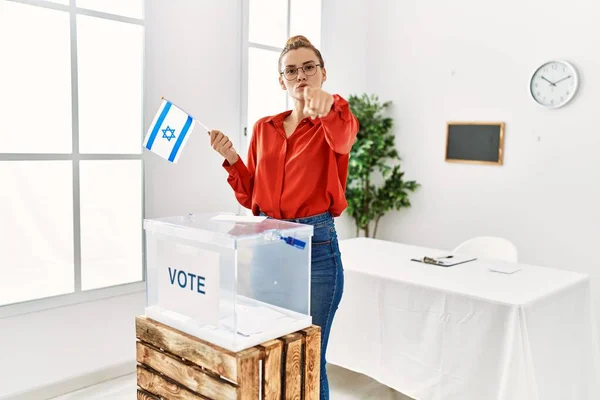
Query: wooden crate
(175, 365)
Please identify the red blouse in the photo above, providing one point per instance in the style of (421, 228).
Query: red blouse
(301, 175)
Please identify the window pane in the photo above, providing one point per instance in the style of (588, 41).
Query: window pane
(35, 79)
(305, 19)
(265, 96)
(111, 223)
(110, 86)
(36, 233)
(126, 8)
(268, 22)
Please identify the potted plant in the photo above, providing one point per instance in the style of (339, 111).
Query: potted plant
(374, 158)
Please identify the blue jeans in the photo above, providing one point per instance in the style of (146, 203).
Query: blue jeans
(327, 282)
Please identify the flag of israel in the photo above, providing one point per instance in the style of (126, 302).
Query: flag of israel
(169, 131)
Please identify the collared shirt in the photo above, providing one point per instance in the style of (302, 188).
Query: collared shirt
(301, 175)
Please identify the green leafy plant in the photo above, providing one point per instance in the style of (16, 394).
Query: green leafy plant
(374, 158)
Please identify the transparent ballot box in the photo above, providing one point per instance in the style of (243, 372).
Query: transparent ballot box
(232, 283)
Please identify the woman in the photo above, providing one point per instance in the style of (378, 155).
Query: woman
(297, 170)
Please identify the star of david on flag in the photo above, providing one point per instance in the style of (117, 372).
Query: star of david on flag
(171, 135)
(169, 131)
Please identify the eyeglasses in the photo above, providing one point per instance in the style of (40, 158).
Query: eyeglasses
(291, 73)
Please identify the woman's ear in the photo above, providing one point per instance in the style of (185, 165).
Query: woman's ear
(324, 72)
(281, 83)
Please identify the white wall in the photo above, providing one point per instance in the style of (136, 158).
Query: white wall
(193, 53)
(344, 49)
(193, 56)
(344, 45)
(62, 344)
(469, 60)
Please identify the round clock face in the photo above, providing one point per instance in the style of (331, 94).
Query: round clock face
(554, 84)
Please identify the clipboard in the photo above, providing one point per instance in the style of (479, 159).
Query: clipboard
(445, 261)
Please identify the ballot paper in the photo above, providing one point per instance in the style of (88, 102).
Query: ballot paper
(254, 319)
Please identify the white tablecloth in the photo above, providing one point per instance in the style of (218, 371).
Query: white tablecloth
(464, 332)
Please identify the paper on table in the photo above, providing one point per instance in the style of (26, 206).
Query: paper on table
(238, 218)
(505, 268)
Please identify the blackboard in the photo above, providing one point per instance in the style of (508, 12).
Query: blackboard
(475, 142)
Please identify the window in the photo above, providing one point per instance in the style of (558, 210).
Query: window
(267, 26)
(71, 182)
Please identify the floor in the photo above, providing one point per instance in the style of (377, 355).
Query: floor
(345, 385)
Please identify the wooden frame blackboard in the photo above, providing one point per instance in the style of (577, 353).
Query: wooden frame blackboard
(475, 142)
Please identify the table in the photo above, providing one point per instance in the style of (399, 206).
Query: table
(464, 332)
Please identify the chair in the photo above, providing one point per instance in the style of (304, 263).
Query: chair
(489, 247)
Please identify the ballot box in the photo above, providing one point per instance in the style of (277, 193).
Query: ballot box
(233, 281)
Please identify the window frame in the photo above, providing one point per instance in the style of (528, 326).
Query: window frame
(78, 296)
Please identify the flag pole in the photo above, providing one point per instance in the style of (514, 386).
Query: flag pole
(200, 123)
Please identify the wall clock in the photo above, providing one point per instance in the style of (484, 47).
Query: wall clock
(554, 84)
